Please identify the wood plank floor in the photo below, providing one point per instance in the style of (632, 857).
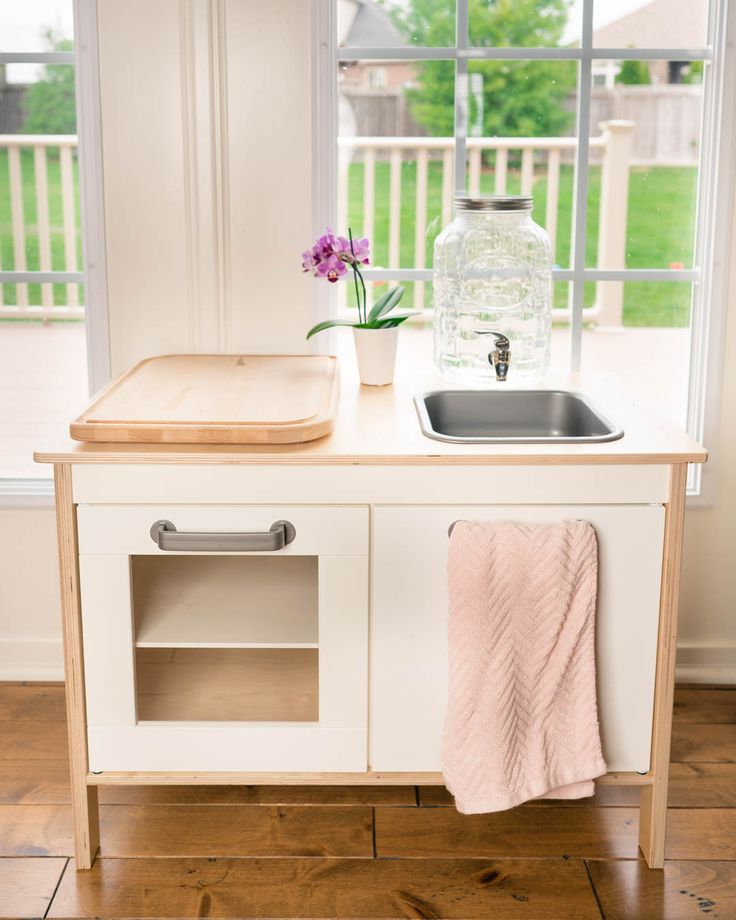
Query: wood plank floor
(382, 852)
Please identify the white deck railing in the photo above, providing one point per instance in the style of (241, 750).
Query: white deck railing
(22, 229)
(614, 144)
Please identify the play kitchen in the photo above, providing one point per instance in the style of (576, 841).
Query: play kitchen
(255, 575)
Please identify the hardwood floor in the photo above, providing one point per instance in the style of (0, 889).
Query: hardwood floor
(362, 852)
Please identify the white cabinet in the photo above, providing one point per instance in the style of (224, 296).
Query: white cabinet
(258, 661)
(202, 658)
(409, 626)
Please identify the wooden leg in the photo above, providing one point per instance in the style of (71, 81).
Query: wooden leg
(653, 808)
(84, 797)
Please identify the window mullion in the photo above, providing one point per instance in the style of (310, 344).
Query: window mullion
(461, 94)
(585, 82)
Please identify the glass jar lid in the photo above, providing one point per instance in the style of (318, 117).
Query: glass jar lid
(493, 203)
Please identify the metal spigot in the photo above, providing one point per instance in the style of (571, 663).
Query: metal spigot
(500, 357)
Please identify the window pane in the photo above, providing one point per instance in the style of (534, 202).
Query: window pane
(652, 346)
(396, 191)
(39, 187)
(654, 24)
(561, 327)
(42, 336)
(42, 25)
(43, 103)
(395, 23)
(645, 141)
(524, 24)
(417, 294)
(534, 101)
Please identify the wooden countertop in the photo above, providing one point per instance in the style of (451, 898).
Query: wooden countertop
(379, 425)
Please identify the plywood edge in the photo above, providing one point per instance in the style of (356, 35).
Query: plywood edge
(80, 454)
(368, 778)
(298, 432)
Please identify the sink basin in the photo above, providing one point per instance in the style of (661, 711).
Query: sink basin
(513, 416)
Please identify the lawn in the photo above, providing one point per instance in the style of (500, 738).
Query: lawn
(29, 209)
(660, 229)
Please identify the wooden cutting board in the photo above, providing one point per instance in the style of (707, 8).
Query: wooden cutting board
(216, 399)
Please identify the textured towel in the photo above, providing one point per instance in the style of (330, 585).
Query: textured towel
(522, 720)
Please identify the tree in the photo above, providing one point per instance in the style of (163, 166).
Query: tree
(517, 98)
(50, 102)
(634, 73)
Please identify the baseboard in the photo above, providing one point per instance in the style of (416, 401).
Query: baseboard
(706, 664)
(31, 659)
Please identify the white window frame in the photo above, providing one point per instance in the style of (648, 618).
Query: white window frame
(39, 491)
(709, 274)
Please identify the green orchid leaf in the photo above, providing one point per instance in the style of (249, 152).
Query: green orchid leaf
(386, 303)
(379, 305)
(328, 324)
(390, 321)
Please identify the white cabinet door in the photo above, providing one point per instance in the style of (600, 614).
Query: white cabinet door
(225, 661)
(409, 627)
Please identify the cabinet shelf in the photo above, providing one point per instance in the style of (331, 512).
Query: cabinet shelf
(223, 685)
(225, 601)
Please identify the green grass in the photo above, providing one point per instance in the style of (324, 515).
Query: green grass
(659, 230)
(29, 209)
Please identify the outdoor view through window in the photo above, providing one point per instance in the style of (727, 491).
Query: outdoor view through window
(423, 84)
(43, 367)
(601, 109)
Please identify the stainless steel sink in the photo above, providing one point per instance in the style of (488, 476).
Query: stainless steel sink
(513, 416)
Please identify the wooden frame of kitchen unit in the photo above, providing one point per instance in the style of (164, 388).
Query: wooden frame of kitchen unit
(654, 785)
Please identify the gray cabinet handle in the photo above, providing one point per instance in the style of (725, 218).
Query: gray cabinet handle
(165, 535)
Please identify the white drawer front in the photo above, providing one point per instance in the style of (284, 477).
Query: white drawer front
(409, 628)
(126, 529)
(249, 661)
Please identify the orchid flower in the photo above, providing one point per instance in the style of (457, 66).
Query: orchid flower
(333, 256)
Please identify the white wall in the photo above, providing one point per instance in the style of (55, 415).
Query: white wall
(30, 626)
(206, 114)
(708, 601)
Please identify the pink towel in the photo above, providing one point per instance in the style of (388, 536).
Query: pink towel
(522, 720)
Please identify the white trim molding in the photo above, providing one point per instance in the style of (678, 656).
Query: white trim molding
(204, 118)
(713, 253)
(701, 663)
(37, 492)
(91, 192)
(324, 151)
(31, 659)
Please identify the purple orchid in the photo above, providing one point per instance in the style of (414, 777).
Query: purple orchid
(331, 267)
(330, 255)
(330, 258)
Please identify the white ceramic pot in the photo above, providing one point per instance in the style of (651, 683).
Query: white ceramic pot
(376, 352)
